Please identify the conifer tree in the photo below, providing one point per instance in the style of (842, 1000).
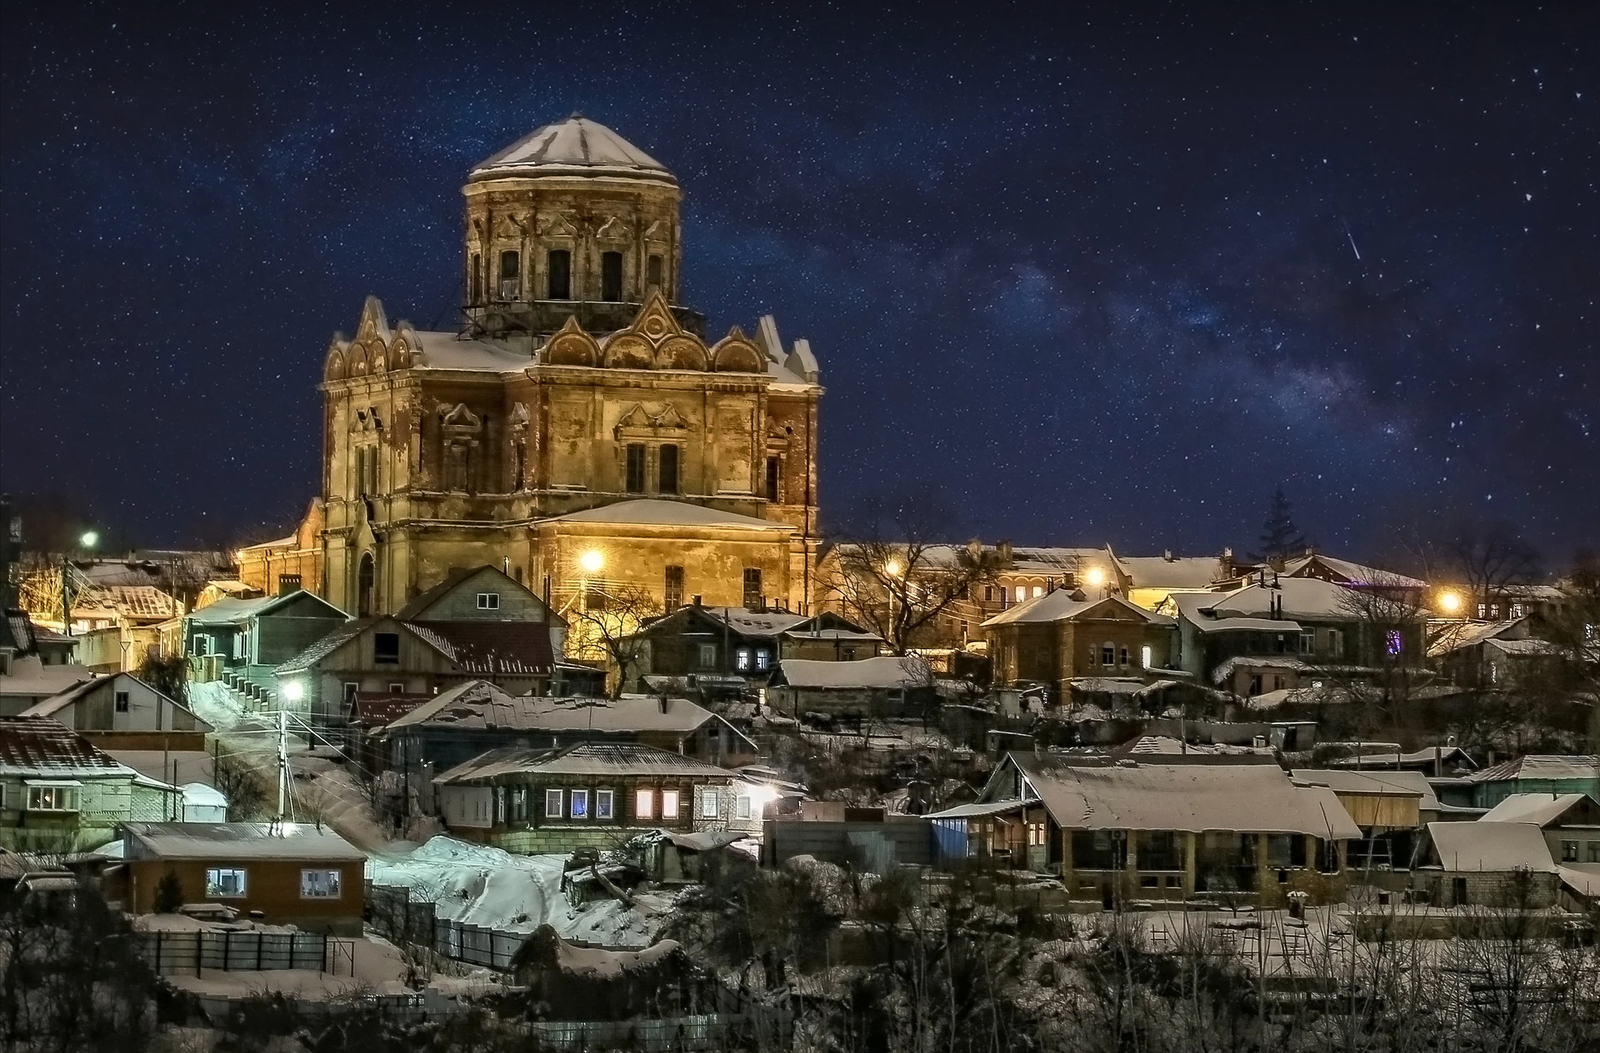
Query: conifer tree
(169, 894)
(1280, 538)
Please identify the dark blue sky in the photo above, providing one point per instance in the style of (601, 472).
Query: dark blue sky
(1093, 272)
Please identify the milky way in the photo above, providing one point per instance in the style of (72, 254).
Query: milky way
(1101, 277)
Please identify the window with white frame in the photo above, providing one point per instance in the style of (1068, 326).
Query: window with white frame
(669, 804)
(741, 807)
(708, 656)
(579, 804)
(1336, 642)
(644, 804)
(488, 601)
(708, 803)
(123, 701)
(552, 804)
(53, 797)
(319, 884)
(225, 882)
(1308, 641)
(741, 659)
(1147, 655)
(602, 804)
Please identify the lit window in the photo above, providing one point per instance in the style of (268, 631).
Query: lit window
(1516, 610)
(62, 797)
(1038, 590)
(741, 809)
(644, 804)
(225, 883)
(552, 804)
(580, 804)
(742, 659)
(319, 884)
(708, 803)
(669, 804)
(1147, 656)
(488, 601)
(1396, 642)
(763, 660)
(122, 701)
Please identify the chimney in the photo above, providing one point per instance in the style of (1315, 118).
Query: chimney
(1002, 549)
(1167, 555)
(697, 601)
(666, 704)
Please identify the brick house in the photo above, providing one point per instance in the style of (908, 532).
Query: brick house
(1065, 634)
(1483, 864)
(297, 874)
(1159, 828)
(590, 795)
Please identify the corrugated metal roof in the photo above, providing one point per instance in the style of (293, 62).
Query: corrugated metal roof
(491, 648)
(588, 758)
(228, 841)
(45, 747)
(480, 704)
(1541, 766)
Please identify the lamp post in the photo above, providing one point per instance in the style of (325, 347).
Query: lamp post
(87, 540)
(892, 570)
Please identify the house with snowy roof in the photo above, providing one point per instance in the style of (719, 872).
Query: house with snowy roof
(1536, 773)
(478, 623)
(1493, 656)
(882, 687)
(1148, 581)
(120, 711)
(1284, 632)
(700, 641)
(1570, 821)
(590, 794)
(1067, 634)
(1160, 827)
(60, 793)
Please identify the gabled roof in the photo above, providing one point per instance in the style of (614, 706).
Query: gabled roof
(1459, 634)
(336, 638)
(1158, 795)
(1541, 809)
(45, 748)
(490, 648)
(1348, 571)
(585, 758)
(479, 705)
(738, 620)
(232, 611)
(1179, 572)
(129, 601)
(1373, 783)
(657, 512)
(1491, 847)
(1539, 766)
(1301, 598)
(884, 672)
(31, 677)
(417, 609)
(54, 704)
(228, 841)
(1063, 605)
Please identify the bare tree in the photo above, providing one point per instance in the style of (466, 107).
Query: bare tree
(1389, 648)
(903, 588)
(605, 624)
(1490, 558)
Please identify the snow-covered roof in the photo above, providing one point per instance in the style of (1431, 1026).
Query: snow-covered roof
(1541, 766)
(1064, 605)
(1523, 648)
(38, 747)
(983, 809)
(129, 601)
(1373, 783)
(754, 623)
(576, 146)
(1354, 573)
(1162, 795)
(480, 704)
(1258, 625)
(656, 512)
(454, 351)
(1301, 598)
(29, 677)
(886, 671)
(1179, 572)
(228, 841)
(1458, 634)
(1492, 847)
(587, 758)
(1541, 809)
(233, 611)
(1388, 755)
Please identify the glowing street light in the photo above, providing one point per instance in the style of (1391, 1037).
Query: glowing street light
(89, 539)
(1095, 577)
(1450, 601)
(591, 561)
(294, 691)
(892, 568)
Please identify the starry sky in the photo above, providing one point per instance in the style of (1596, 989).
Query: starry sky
(1092, 273)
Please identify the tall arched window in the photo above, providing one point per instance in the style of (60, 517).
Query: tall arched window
(558, 269)
(366, 585)
(475, 292)
(611, 276)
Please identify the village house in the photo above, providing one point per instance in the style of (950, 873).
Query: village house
(299, 874)
(465, 721)
(1149, 581)
(1493, 656)
(120, 711)
(476, 624)
(26, 680)
(884, 687)
(1157, 828)
(1290, 632)
(736, 642)
(118, 625)
(590, 794)
(59, 793)
(1062, 635)
(1483, 864)
(1570, 821)
(1536, 773)
(250, 637)
(1392, 808)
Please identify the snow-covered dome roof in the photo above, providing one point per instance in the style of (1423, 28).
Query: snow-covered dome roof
(576, 146)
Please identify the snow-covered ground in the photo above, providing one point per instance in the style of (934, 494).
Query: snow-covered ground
(491, 888)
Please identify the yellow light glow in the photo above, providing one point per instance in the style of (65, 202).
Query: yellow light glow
(892, 568)
(1450, 601)
(1096, 576)
(591, 561)
(294, 691)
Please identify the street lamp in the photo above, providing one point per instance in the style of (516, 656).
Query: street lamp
(87, 540)
(1450, 601)
(591, 561)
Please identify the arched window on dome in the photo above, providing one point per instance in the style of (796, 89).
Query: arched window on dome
(510, 275)
(558, 268)
(475, 280)
(611, 277)
(653, 272)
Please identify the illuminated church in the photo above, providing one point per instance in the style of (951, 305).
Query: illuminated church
(579, 428)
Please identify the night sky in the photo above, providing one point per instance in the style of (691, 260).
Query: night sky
(1098, 275)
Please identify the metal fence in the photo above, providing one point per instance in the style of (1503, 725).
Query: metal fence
(231, 950)
(401, 920)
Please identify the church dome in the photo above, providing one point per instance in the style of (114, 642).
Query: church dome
(576, 146)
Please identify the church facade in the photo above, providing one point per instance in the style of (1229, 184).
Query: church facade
(578, 429)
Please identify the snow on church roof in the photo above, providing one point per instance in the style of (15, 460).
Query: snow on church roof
(576, 146)
(653, 512)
